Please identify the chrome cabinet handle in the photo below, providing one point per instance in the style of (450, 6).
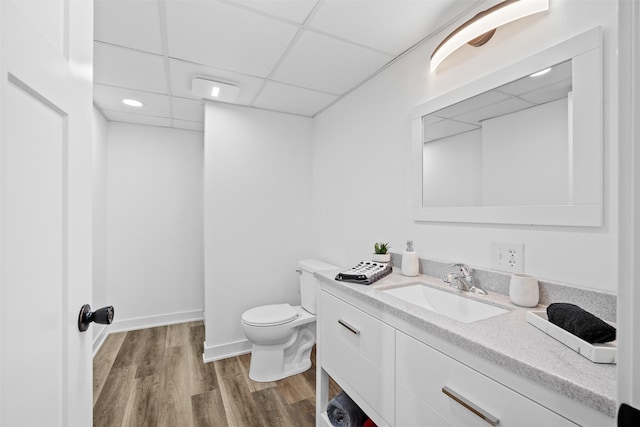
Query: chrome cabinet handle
(471, 406)
(353, 330)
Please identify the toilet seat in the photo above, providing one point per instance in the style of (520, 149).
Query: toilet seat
(269, 315)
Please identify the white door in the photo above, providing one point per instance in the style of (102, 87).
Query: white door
(45, 211)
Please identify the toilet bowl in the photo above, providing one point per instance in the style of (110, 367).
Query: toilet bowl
(283, 335)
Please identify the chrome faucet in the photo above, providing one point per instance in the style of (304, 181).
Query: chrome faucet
(463, 280)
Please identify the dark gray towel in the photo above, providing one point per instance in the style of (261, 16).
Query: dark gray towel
(343, 412)
(580, 323)
(628, 416)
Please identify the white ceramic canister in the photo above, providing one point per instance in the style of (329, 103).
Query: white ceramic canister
(524, 290)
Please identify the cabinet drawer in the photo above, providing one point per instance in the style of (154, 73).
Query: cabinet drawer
(413, 412)
(360, 350)
(424, 372)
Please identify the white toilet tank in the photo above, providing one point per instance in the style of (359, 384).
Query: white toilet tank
(308, 284)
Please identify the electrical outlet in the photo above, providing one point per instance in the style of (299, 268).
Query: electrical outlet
(507, 257)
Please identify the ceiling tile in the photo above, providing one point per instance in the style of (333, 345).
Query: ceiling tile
(329, 65)
(471, 104)
(188, 109)
(117, 66)
(445, 128)
(227, 37)
(183, 124)
(118, 116)
(290, 99)
(110, 98)
(549, 93)
(494, 110)
(559, 74)
(182, 73)
(388, 26)
(134, 24)
(293, 10)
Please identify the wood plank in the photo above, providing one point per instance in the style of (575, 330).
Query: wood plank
(177, 377)
(180, 333)
(143, 348)
(111, 405)
(272, 408)
(334, 388)
(144, 402)
(208, 410)
(238, 403)
(303, 413)
(296, 388)
(196, 337)
(204, 374)
(103, 361)
(151, 355)
(157, 378)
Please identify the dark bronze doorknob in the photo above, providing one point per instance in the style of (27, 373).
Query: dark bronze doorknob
(102, 315)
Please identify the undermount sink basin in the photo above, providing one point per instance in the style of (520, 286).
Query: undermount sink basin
(454, 306)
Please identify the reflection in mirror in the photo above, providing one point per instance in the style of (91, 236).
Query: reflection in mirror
(516, 146)
(510, 146)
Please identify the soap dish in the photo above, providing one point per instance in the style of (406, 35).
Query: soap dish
(598, 353)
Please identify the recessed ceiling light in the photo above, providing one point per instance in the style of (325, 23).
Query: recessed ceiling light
(540, 73)
(132, 102)
(212, 89)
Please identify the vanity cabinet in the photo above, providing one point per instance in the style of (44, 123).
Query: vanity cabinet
(358, 351)
(434, 389)
(401, 381)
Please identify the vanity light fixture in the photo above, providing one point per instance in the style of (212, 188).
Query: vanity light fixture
(215, 90)
(540, 73)
(133, 102)
(479, 29)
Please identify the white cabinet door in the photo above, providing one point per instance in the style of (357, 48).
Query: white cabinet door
(45, 211)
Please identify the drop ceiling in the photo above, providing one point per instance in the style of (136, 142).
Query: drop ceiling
(291, 56)
(521, 94)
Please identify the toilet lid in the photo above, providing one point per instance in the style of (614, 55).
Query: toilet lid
(269, 315)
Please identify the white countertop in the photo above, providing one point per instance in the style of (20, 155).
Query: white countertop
(507, 340)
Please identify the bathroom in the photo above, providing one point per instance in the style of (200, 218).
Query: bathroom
(276, 188)
(279, 188)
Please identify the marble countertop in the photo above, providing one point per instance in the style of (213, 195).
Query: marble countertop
(507, 340)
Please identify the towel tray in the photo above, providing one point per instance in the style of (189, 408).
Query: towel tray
(598, 353)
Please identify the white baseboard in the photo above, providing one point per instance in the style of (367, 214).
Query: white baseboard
(223, 351)
(143, 323)
(153, 321)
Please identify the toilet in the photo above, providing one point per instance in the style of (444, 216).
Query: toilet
(283, 335)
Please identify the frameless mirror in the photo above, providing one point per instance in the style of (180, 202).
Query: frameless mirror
(521, 146)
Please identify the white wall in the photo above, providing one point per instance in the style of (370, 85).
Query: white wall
(452, 171)
(99, 186)
(154, 223)
(525, 164)
(359, 202)
(257, 216)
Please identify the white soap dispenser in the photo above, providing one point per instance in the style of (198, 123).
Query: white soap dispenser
(410, 264)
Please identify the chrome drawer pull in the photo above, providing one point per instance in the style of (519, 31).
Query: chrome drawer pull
(472, 407)
(349, 327)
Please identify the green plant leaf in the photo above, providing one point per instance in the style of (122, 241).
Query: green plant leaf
(381, 248)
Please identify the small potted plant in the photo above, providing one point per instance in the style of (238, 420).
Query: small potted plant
(381, 253)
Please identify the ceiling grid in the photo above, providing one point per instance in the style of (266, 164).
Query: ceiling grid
(292, 56)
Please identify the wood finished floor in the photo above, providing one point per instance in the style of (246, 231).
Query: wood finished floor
(156, 377)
